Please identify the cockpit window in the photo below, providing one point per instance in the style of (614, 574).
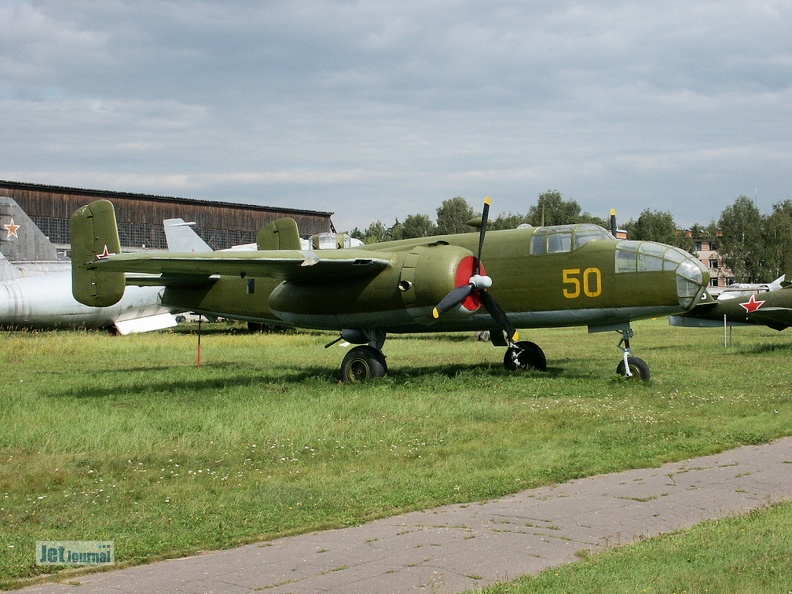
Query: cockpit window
(587, 233)
(565, 238)
(645, 256)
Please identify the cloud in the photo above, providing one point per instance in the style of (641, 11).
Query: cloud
(378, 110)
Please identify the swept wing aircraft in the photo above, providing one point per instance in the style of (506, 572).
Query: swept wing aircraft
(35, 286)
(743, 305)
(530, 277)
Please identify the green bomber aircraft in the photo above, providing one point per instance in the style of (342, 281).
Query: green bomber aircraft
(529, 277)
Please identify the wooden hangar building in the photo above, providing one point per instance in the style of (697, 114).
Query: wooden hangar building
(140, 216)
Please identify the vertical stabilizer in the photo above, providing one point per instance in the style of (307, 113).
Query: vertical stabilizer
(280, 234)
(181, 237)
(94, 235)
(20, 239)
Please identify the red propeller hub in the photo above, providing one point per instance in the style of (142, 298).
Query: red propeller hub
(463, 274)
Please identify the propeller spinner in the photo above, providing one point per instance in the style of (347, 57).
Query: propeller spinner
(478, 286)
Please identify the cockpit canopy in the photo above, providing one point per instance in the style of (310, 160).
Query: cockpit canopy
(565, 238)
(647, 256)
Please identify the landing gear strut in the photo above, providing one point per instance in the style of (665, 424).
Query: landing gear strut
(631, 367)
(364, 362)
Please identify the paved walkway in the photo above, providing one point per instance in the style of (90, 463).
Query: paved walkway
(460, 547)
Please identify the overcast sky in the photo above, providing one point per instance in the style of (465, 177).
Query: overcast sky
(375, 110)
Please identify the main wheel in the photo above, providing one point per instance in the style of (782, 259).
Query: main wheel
(529, 356)
(363, 363)
(638, 369)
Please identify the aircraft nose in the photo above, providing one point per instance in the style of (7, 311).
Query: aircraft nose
(692, 280)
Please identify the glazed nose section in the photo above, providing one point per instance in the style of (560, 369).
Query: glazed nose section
(692, 279)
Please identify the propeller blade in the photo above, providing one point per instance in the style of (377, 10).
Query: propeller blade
(453, 299)
(482, 234)
(497, 313)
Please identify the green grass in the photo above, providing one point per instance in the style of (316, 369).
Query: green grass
(744, 554)
(122, 438)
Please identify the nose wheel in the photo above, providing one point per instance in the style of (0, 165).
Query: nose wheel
(631, 367)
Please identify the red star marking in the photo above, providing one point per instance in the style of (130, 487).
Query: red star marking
(12, 229)
(752, 304)
(105, 253)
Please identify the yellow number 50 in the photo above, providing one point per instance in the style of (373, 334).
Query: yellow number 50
(590, 281)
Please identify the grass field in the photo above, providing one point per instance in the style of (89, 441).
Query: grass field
(747, 554)
(123, 439)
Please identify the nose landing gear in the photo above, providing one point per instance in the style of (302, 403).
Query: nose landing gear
(631, 367)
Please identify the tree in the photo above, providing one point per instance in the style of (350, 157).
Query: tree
(777, 238)
(658, 226)
(741, 243)
(507, 221)
(375, 233)
(552, 209)
(453, 216)
(418, 225)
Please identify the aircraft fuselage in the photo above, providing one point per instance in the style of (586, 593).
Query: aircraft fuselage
(540, 276)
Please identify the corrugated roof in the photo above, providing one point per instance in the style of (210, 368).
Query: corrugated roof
(173, 199)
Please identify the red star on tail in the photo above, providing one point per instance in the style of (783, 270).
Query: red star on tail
(12, 229)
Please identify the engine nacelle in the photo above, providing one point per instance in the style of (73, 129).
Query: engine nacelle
(403, 294)
(430, 273)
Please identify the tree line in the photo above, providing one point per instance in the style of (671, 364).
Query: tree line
(754, 246)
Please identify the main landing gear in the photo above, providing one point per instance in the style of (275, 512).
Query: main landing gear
(366, 361)
(525, 355)
(363, 363)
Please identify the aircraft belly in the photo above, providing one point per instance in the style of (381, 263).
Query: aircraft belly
(589, 317)
(385, 319)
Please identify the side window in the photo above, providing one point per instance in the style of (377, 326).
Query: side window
(538, 244)
(559, 242)
(626, 261)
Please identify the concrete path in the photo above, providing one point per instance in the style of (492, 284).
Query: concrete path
(460, 547)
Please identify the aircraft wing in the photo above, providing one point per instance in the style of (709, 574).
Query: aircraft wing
(776, 318)
(287, 265)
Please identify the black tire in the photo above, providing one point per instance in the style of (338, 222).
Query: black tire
(531, 357)
(638, 368)
(363, 363)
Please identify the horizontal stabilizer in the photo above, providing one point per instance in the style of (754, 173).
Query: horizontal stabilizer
(290, 265)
